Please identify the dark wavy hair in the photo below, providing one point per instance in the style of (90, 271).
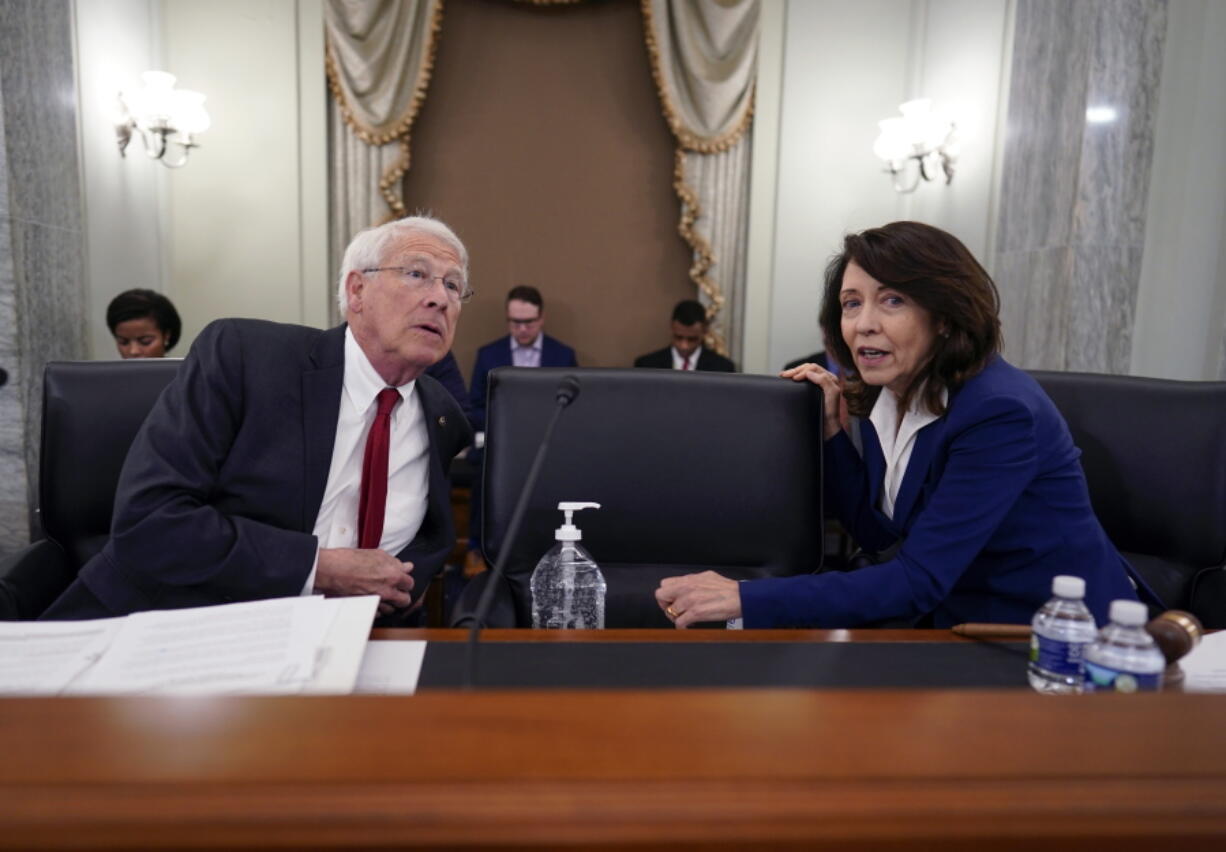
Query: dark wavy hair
(138, 304)
(936, 271)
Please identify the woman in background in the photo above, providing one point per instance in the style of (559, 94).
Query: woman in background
(969, 486)
(144, 324)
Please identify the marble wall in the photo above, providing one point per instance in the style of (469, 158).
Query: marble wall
(1074, 184)
(41, 290)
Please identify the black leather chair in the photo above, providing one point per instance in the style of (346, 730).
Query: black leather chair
(1154, 454)
(694, 471)
(91, 413)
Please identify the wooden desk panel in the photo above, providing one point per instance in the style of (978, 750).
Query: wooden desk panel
(785, 769)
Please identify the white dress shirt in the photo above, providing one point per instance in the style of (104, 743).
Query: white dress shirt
(408, 462)
(898, 440)
(527, 356)
(678, 360)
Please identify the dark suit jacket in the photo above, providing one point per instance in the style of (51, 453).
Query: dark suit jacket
(447, 373)
(992, 506)
(498, 354)
(662, 359)
(219, 494)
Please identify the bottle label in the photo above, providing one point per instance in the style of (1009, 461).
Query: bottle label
(1100, 678)
(1056, 655)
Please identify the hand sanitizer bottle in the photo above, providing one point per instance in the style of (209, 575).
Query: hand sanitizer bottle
(568, 589)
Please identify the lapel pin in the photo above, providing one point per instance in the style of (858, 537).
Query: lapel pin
(442, 421)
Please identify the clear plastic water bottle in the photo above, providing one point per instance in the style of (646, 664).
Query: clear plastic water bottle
(568, 590)
(1124, 658)
(1061, 631)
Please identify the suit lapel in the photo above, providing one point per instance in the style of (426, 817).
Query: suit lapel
(874, 464)
(321, 400)
(926, 442)
(436, 428)
(448, 432)
(874, 461)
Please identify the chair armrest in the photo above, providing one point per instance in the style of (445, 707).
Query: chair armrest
(502, 613)
(32, 578)
(1207, 600)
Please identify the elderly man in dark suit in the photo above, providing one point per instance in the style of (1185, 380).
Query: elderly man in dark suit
(689, 328)
(286, 460)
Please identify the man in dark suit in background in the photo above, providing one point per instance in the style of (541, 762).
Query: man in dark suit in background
(527, 345)
(285, 460)
(689, 329)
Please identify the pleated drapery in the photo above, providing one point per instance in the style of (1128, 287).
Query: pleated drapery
(379, 57)
(380, 54)
(704, 61)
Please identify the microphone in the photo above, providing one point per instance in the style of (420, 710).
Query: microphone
(568, 389)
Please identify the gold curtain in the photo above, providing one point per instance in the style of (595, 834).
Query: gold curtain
(704, 61)
(380, 54)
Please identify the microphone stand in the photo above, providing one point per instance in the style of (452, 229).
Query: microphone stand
(568, 389)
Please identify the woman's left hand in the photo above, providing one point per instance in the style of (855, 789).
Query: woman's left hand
(695, 598)
(834, 408)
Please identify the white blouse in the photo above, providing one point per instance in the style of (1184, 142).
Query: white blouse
(898, 440)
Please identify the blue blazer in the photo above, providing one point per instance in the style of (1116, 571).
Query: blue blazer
(219, 494)
(498, 354)
(993, 505)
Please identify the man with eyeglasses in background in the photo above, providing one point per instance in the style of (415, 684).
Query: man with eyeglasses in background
(526, 345)
(285, 460)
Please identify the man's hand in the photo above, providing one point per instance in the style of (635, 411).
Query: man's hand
(699, 597)
(346, 571)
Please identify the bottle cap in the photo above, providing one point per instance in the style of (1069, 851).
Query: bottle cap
(1066, 586)
(1129, 613)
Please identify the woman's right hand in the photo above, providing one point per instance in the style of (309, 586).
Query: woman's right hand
(832, 394)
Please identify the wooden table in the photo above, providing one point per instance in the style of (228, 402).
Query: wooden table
(702, 769)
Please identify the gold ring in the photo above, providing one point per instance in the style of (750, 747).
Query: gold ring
(672, 613)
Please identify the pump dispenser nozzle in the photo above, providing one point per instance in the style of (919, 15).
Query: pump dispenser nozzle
(568, 531)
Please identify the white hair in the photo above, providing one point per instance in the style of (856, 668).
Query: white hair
(368, 248)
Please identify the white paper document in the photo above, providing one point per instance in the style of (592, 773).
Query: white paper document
(391, 667)
(41, 658)
(1204, 669)
(287, 645)
(340, 656)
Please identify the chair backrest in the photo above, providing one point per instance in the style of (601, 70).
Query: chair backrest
(1154, 455)
(91, 413)
(694, 471)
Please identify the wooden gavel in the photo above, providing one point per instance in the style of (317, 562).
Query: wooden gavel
(1175, 633)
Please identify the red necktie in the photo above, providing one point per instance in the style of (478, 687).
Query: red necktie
(685, 362)
(373, 503)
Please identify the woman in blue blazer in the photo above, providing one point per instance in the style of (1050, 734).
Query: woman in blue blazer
(968, 480)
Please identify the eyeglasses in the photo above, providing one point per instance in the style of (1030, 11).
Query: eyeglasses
(457, 290)
(523, 323)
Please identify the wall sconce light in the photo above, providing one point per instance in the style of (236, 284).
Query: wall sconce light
(916, 145)
(164, 117)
